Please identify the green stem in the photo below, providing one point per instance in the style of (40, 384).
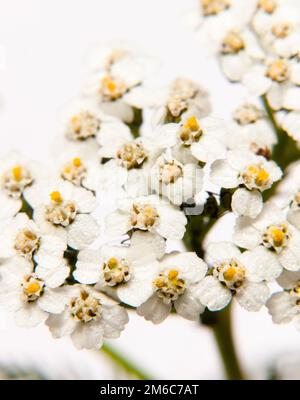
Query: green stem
(221, 324)
(124, 363)
(136, 124)
(26, 208)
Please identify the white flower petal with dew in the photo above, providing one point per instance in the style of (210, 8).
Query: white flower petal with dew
(247, 203)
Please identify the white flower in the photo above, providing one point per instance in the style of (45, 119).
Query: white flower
(278, 79)
(201, 139)
(116, 89)
(284, 306)
(174, 180)
(182, 98)
(253, 172)
(213, 14)
(147, 213)
(80, 166)
(27, 294)
(63, 209)
(89, 317)
(86, 129)
(279, 27)
(123, 272)
(250, 130)
(104, 55)
(22, 237)
(17, 175)
(174, 286)
(239, 50)
(274, 242)
(115, 56)
(230, 276)
(130, 165)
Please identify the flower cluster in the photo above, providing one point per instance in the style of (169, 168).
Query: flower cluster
(258, 44)
(93, 237)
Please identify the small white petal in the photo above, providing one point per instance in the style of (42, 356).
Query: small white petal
(154, 310)
(213, 294)
(88, 336)
(221, 251)
(282, 308)
(30, 315)
(222, 174)
(247, 203)
(245, 234)
(261, 264)
(252, 296)
(82, 232)
(113, 321)
(188, 306)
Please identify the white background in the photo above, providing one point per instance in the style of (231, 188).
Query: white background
(44, 46)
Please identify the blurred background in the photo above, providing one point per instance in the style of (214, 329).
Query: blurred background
(43, 55)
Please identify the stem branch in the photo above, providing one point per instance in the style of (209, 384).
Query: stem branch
(124, 363)
(221, 325)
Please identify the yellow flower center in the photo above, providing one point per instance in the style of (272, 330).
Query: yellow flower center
(190, 131)
(278, 70)
(15, 180)
(276, 237)
(74, 171)
(116, 271)
(26, 243)
(192, 124)
(231, 273)
(32, 288)
(268, 6)
(111, 88)
(256, 177)
(169, 286)
(247, 114)
(282, 30)
(17, 173)
(56, 197)
(82, 126)
(233, 43)
(214, 7)
(60, 212)
(143, 216)
(181, 91)
(85, 307)
(170, 171)
(132, 155)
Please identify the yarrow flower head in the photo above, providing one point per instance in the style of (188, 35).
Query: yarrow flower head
(89, 317)
(175, 285)
(231, 276)
(193, 139)
(31, 297)
(182, 97)
(64, 210)
(137, 173)
(17, 175)
(253, 173)
(147, 213)
(122, 271)
(251, 130)
(273, 240)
